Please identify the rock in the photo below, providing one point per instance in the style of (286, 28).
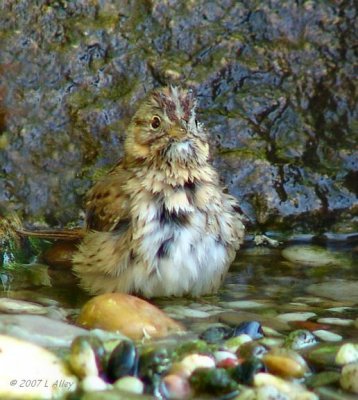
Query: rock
(300, 339)
(273, 387)
(244, 373)
(250, 328)
(38, 329)
(336, 321)
(31, 372)
(327, 336)
(235, 343)
(310, 255)
(216, 334)
(175, 387)
(347, 353)
(323, 379)
(286, 363)
(274, 142)
(245, 304)
(349, 377)
(190, 363)
(128, 315)
(60, 254)
(123, 361)
(129, 384)
(298, 316)
(323, 354)
(222, 355)
(252, 350)
(340, 290)
(12, 306)
(215, 381)
(92, 383)
(87, 356)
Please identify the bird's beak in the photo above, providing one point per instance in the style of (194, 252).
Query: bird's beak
(177, 132)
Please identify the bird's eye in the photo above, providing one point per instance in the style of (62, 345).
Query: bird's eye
(155, 124)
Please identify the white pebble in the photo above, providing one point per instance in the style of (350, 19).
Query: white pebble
(224, 355)
(272, 387)
(244, 304)
(349, 378)
(194, 361)
(93, 383)
(327, 336)
(336, 321)
(348, 353)
(130, 384)
(298, 316)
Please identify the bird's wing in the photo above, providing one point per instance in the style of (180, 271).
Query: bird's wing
(107, 204)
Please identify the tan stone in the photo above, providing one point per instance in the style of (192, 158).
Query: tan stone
(129, 315)
(32, 372)
(285, 363)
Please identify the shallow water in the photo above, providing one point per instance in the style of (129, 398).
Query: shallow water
(259, 274)
(285, 288)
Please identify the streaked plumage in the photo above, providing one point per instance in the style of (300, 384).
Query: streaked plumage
(159, 223)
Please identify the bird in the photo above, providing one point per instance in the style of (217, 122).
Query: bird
(160, 223)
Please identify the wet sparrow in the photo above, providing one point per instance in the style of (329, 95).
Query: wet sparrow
(159, 223)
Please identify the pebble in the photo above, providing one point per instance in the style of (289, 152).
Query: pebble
(176, 387)
(12, 306)
(93, 383)
(130, 384)
(250, 328)
(244, 304)
(271, 387)
(85, 355)
(299, 316)
(339, 289)
(300, 339)
(129, 315)
(39, 329)
(270, 331)
(214, 381)
(349, 378)
(233, 344)
(272, 342)
(252, 350)
(220, 356)
(347, 353)
(216, 334)
(339, 309)
(193, 361)
(327, 336)
(244, 373)
(323, 355)
(286, 363)
(336, 321)
(310, 255)
(123, 361)
(22, 361)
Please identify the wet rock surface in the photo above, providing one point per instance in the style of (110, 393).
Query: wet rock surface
(274, 83)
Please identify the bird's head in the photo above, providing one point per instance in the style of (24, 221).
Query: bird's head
(165, 129)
